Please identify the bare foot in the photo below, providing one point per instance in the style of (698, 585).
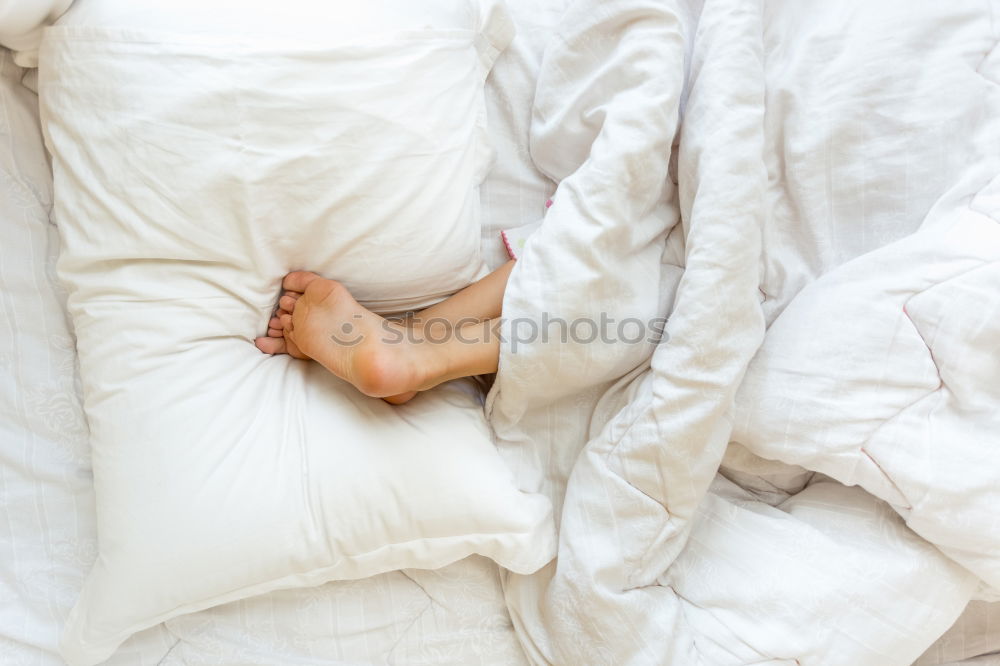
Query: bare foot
(319, 319)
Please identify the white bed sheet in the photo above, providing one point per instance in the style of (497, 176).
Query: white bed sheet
(455, 615)
(515, 191)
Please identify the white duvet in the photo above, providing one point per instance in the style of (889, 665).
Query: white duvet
(854, 515)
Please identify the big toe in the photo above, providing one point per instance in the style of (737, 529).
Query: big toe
(299, 280)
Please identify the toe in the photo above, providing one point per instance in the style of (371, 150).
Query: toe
(286, 322)
(275, 333)
(275, 321)
(287, 303)
(299, 280)
(271, 345)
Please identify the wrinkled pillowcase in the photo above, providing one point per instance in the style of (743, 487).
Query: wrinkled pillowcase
(191, 172)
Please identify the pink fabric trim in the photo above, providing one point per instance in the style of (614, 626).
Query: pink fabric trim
(506, 242)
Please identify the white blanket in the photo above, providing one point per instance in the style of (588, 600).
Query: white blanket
(829, 134)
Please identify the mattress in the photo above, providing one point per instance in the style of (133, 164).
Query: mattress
(455, 615)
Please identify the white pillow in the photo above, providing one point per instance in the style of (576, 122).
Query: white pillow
(22, 23)
(192, 171)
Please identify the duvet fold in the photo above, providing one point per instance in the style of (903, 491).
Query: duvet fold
(663, 559)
